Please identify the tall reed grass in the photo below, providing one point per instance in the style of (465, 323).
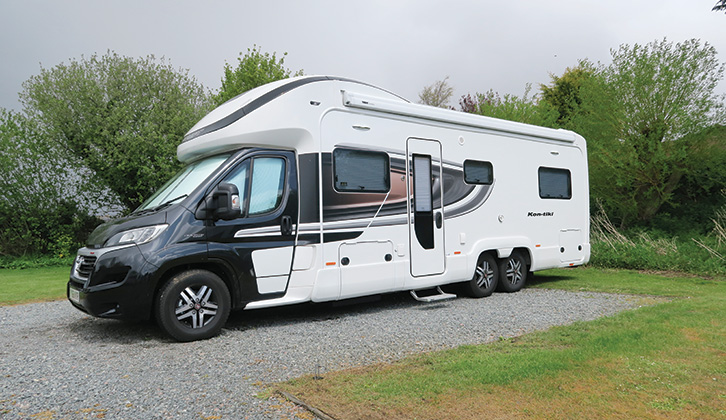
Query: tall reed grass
(656, 251)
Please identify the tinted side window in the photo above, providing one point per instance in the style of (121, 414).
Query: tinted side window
(261, 183)
(268, 182)
(555, 183)
(361, 171)
(478, 172)
(240, 177)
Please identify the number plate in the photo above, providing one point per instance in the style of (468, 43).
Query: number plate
(74, 295)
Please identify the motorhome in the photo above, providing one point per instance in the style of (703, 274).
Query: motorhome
(318, 188)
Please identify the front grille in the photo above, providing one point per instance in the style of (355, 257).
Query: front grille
(84, 266)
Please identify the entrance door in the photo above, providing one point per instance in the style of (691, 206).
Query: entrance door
(426, 218)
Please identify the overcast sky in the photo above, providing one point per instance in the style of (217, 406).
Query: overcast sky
(399, 45)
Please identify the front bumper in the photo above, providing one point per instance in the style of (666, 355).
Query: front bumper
(112, 283)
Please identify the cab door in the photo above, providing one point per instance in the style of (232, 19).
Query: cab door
(260, 244)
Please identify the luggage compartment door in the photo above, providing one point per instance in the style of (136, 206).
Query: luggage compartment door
(366, 267)
(571, 245)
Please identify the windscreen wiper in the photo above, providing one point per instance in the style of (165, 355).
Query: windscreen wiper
(168, 202)
(160, 206)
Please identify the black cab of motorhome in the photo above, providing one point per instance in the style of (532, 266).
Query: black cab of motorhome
(184, 257)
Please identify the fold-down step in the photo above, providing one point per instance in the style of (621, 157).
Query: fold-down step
(428, 296)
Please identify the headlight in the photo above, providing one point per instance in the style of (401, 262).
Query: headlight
(136, 236)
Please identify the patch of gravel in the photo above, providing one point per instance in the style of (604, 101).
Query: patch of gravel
(60, 363)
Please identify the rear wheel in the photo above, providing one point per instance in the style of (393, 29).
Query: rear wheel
(485, 278)
(512, 273)
(193, 305)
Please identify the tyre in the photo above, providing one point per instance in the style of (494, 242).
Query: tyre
(512, 273)
(193, 305)
(486, 277)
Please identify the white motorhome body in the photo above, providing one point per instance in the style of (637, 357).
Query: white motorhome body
(385, 203)
(320, 188)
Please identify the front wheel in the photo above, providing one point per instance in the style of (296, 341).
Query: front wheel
(193, 305)
(512, 273)
(485, 278)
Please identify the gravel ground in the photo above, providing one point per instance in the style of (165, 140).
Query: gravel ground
(56, 362)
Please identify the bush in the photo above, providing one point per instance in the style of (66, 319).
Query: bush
(641, 249)
(36, 261)
(55, 232)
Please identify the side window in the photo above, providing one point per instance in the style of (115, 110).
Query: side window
(268, 182)
(361, 171)
(240, 177)
(261, 183)
(555, 183)
(478, 172)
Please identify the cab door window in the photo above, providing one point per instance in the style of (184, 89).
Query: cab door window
(268, 181)
(261, 183)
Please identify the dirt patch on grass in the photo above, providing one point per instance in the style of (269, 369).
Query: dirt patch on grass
(578, 394)
(681, 274)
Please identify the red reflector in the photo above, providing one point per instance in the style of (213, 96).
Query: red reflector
(330, 263)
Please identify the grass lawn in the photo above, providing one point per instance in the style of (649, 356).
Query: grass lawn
(33, 284)
(666, 361)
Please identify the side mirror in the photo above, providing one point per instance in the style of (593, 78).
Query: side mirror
(226, 200)
(223, 203)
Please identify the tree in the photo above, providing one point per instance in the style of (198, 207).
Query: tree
(121, 117)
(39, 212)
(720, 5)
(253, 69)
(529, 110)
(585, 104)
(437, 94)
(700, 193)
(640, 116)
(564, 94)
(665, 92)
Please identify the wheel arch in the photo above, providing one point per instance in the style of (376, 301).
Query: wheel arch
(223, 270)
(500, 248)
(490, 252)
(501, 253)
(526, 253)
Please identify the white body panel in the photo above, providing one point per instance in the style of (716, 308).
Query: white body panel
(380, 248)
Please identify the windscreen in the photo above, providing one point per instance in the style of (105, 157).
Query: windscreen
(184, 182)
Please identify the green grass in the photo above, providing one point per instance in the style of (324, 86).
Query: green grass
(667, 360)
(663, 360)
(667, 284)
(33, 284)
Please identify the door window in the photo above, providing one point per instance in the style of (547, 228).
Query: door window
(239, 178)
(261, 183)
(268, 180)
(423, 204)
(422, 193)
